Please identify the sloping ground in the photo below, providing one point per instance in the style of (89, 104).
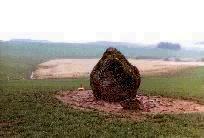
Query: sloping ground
(152, 104)
(75, 68)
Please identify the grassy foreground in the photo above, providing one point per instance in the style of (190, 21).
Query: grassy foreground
(28, 108)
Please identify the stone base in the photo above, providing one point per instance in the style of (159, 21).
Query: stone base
(132, 104)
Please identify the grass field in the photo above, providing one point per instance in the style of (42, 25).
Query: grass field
(28, 107)
(188, 84)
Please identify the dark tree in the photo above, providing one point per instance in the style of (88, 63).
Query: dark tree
(167, 45)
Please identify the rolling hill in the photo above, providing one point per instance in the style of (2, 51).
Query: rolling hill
(45, 49)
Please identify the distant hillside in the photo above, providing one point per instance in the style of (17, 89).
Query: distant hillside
(168, 45)
(29, 41)
(25, 55)
(49, 50)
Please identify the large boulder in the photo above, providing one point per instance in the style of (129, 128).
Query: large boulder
(113, 78)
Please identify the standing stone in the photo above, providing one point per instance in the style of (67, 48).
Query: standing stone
(113, 78)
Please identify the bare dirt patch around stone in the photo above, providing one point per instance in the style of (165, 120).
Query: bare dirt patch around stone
(152, 104)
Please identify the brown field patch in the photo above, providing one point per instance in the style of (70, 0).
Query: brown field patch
(75, 68)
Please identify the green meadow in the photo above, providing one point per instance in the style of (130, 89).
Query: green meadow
(28, 108)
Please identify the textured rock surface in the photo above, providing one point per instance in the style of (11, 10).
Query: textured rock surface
(113, 78)
(132, 104)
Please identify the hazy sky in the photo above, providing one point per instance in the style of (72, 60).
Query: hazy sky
(143, 21)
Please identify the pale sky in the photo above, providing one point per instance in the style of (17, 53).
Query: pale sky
(143, 21)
